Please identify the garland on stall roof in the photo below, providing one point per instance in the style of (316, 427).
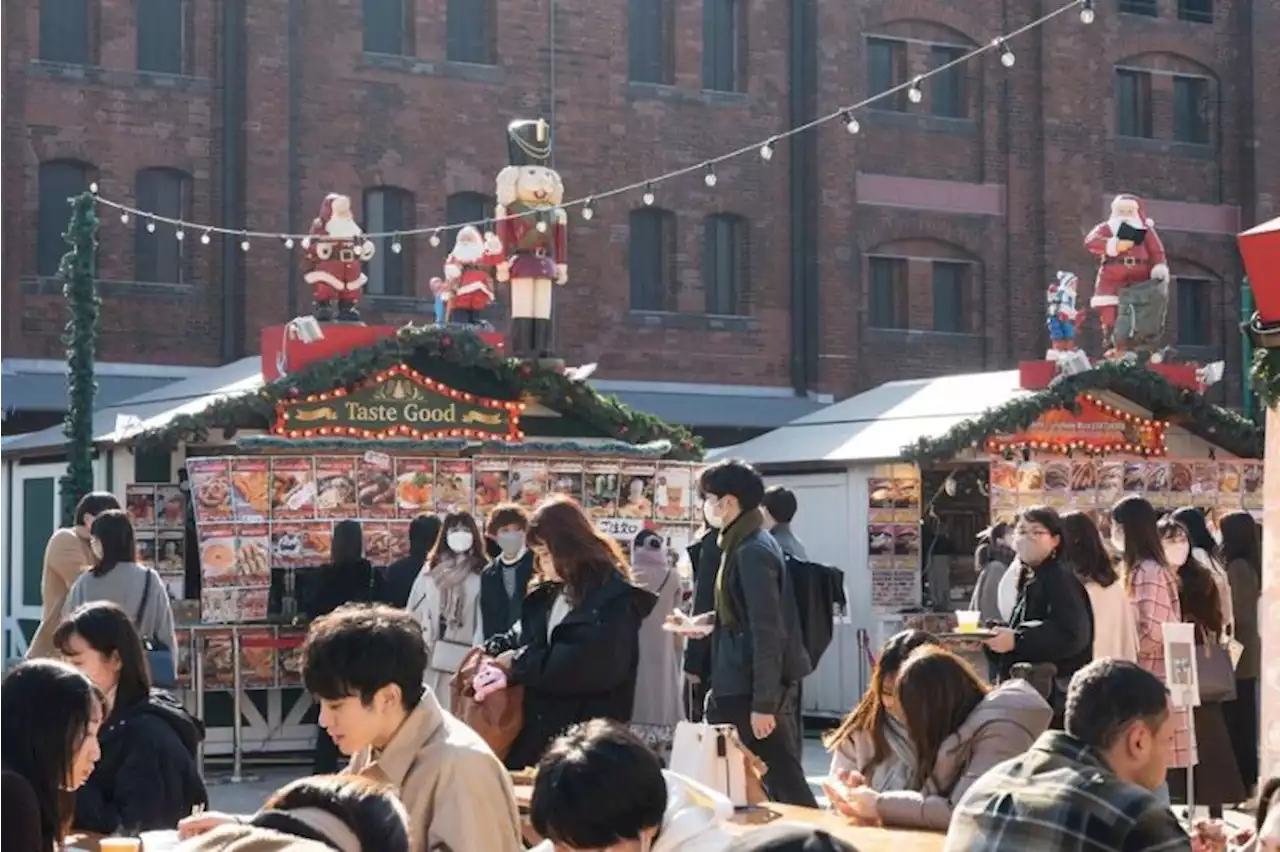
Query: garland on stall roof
(462, 348)
(1264, 375)
(568, 446)
(1147, 388)
(77, 270)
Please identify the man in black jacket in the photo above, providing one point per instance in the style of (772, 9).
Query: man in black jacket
(397, 578)
(704, 555)
(757, 652)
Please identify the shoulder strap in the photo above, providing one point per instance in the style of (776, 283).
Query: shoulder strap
(146, 594)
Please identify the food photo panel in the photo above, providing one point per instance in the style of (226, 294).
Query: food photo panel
(293, 489)
(336, 487)
(210, 481)
(376, 486)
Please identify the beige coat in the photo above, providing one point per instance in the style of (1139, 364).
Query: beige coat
(1115, 631)
(66, 557)
(249, 838)
(458, 794)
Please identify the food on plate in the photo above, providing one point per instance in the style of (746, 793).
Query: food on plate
(212, 492)
(1253, 478)
(289, 489)
(907, 540)
(882, 494)
(881, 541)
(1110, 477)
(251, 488)
(379, 546)
(217, 557)
(1180, 476)
(1057, 476)
(1084, 476)
(1030, 478)
(1158, 478)
(1229, 480)
(375, 486)
(524, 777)
(1135, 475)
(335, 491)
(413, 490)
(1206, 478)
(1004, 476)
(254, 558)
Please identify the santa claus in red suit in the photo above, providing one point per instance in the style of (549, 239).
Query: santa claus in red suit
(335, 250)
(1133, 275)
(533, 230)
(469, 271)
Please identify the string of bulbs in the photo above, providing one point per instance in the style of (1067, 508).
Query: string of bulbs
(765, 148)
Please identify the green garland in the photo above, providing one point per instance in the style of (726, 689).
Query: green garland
(1147, 388)
(456, 347)
(1265, 376)
(77, 270)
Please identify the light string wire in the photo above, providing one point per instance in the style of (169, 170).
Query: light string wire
(587, 202)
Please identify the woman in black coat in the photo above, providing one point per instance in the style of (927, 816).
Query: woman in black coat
(147, 777)
(577, 649)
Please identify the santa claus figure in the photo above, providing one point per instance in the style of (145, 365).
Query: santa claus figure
(335, 250)
(533, 231)
(1131, 292)
(1062, 314)
(469, 272)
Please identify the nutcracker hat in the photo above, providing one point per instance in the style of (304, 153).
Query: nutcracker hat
(529, 142)
(1142, 206)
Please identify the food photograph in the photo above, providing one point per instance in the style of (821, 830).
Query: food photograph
(250, 489)
(293, 488)
(218, 558)
(376, 490)
(253, 555)
(1057, 476)
(210, 488)
(171, 507)
(140, 503)
(414, 479)
(336, 487)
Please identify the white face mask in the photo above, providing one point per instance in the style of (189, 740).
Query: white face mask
(1176, 553)
(711, 511)
(1032, 549)
(459, 541)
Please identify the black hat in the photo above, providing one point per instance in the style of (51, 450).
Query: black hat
(789, 838)
(529, 142)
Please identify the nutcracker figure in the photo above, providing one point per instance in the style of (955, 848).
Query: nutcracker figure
(469, 271)
(335, 250)
(1062, 315)
(532, 229)
(1131, 292)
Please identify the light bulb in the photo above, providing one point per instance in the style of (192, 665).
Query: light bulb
(1086, 13)
(288, 242)
(434, 239)
(710, 179)
(766, 151)
(151, 227)
(588, 212)
(204, 238)
(541, 227)
(306, 243)
(851, 124)
(396, 247)
(648, 198)
(244, 245)
(1006, 55)
(914, 94)
(124, 218)
(93, 187)
(180, 235)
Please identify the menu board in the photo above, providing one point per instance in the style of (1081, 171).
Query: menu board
(159, 515)
(893, 536)
(258, 513)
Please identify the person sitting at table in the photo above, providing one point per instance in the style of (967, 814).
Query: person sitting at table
(147, 778)
(960, 728)
(871, 747)
(49, 719)
(576, 804)
(318, 814)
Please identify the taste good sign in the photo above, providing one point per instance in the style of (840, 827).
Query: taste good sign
(399, 403)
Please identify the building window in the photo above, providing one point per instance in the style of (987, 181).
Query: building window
(651, 41)
(886, 68)
(1133, 104)
(947, 97)
(724, 45)
(1196, 11)
(949, 281)
(725, 262)
(1191, 110)
(651, 260)
(1139, 7)
(471, 32)
(59, 181)
(888, 276)
(1194, 313)
(388, 209)
(463, 207)
(157, 256)
(65, 31)
(388, 26)
(162, 30)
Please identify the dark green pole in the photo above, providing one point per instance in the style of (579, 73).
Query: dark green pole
(78, 271)
(1246, 347)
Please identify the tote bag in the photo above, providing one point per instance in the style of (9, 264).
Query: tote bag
(715, 757)
(499, 718)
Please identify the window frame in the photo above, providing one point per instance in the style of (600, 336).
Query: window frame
(1197, 290)
(941, 54)
(1141, 114)
(1197, 110)
(1188, 12)
(898, 305)
(652, 288)
(50, 211)
(405, 24)
(726, 242)
(48, 41)
(183, 7)
(469, 48)
(652, 64)
(1144, 8)
(151, 249)
(389, 273)
(724, 22)
(960, 310)
(897, 48)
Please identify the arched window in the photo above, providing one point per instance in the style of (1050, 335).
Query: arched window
(921, 283)
(388, 209)
(158, 256)
(66, 31)
(726, 244)
(651, 260)
(59, 181)
(1165, 96)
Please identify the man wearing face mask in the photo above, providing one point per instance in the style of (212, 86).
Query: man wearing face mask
(504, 582)
(758, 656)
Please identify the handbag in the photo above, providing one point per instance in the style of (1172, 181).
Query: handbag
(447, 657)
(714, 756)
(160, 660)
(1216, 673)
(500, 717)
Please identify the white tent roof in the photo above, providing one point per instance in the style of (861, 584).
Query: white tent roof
(876, 425)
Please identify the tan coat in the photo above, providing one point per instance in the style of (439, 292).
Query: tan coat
(458, 794)
(66, 557)
(249, 838)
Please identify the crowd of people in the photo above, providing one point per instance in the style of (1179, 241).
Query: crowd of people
(1066, 741)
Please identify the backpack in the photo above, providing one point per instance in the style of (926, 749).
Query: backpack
(820, 600)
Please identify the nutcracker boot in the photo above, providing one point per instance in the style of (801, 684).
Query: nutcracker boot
(324, 310)
(518, 339)
(347, 311)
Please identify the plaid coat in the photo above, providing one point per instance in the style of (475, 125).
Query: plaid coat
(1060, 796)
(1155, 602)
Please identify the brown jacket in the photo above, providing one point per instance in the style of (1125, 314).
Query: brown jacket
(249, 838)
(66, 557)
(458, 795)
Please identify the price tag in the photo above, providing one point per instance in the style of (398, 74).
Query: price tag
(302, 496)
(623, 529)
(378, 459)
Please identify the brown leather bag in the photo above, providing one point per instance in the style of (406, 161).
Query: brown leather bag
(499, 718)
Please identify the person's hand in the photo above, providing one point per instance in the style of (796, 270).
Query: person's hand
(1003, 641)
(763, 724)
(198, 824)
(1208, 836)
(705, 619)
(1123, 245)
(862, 804)
(692, 678)
(851, 778)
(837, 796)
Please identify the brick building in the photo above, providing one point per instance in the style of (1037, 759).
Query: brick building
(920, 246)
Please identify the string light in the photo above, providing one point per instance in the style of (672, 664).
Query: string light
(288, 243)
(541, 227)
(204, 238)
(151, 226)
(396, 248)
(124, 218)
(93, 187)
(244, 243)
(179, 235)
(588, 212)
(845, 114)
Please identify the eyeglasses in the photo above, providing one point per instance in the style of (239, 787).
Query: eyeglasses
(1034, 532)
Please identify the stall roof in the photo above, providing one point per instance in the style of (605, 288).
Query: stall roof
(30, 384)
(877, 424)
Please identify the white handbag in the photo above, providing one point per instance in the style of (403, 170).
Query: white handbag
(715, 757)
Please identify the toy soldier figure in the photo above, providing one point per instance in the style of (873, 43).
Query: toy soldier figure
(335, 250)
(533, 230)
(1131, 292)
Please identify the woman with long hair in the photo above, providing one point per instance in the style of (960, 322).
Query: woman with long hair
(959, 728)
(1204, 550)
(658, 707)
(871, 745)
(117, 578)
(1052, 622)
(1241, 553)
(576, 649)
(147, 777)
(1115, 633)
(446, 600)
(49, 719)
(1153, 588)
(992, 558)
(1217, 776)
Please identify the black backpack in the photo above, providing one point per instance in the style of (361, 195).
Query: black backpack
(820, 600)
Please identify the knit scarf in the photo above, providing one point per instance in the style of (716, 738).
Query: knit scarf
(730, 538)
(449, 574)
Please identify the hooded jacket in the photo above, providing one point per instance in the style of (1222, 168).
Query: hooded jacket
(692, 821)
(1004, 725)
(658, 678)
(249, 838)
(147, 778)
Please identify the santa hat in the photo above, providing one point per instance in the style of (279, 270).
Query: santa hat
(1065, 278)
(326, 206)
(1142, 206)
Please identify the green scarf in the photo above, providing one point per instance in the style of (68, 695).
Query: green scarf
(729, 539)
